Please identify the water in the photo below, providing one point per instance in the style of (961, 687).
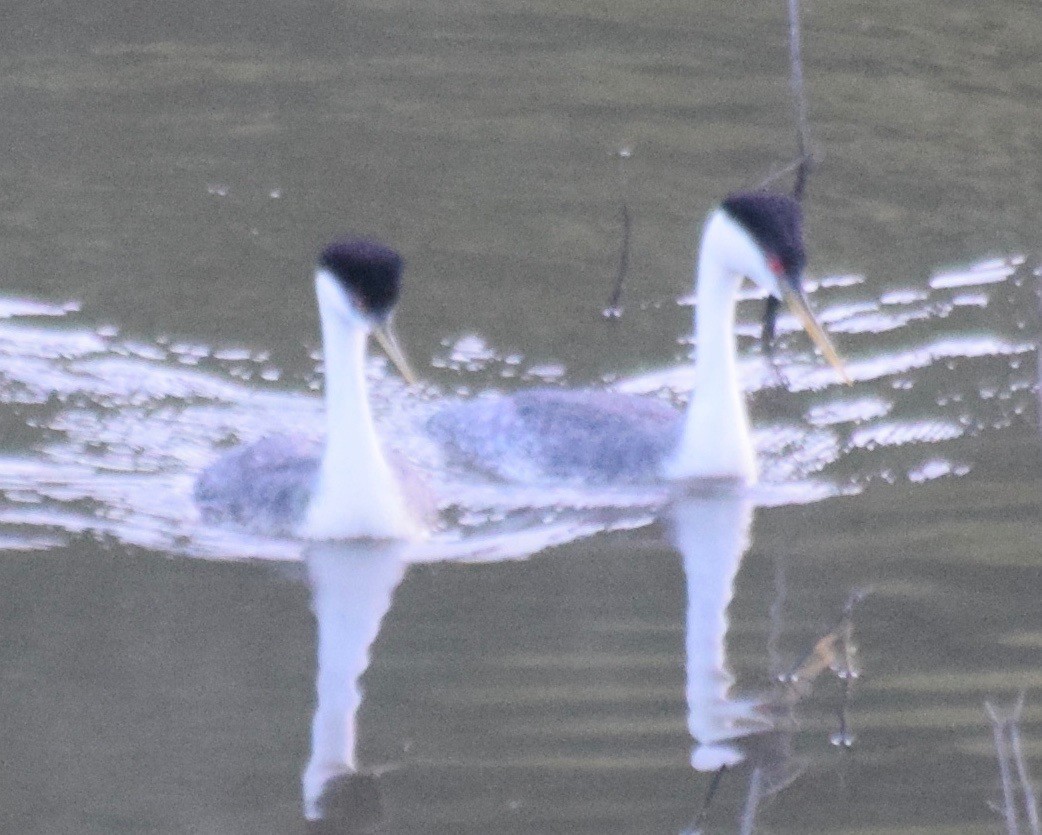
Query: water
(553, 660)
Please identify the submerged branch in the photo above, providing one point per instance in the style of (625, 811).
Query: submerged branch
(698, 824)
(1009, 809)
(1005, 727)
(1026, 786)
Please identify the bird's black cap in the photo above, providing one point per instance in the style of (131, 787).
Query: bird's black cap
(775, 222)
(370, 271)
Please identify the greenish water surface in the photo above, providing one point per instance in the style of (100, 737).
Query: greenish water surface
(171, 170)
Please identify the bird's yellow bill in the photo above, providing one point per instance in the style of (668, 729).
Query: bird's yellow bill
(389, 342)
(800, 309)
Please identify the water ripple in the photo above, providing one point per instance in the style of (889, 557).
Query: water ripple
(113, 430)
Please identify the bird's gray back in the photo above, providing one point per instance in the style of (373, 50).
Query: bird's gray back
(263, 486)
(560, 434)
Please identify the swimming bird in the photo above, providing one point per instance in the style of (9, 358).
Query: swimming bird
(344, 487)
(605, 437)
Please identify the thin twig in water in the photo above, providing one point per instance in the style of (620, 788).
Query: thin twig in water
(1005, 726)
(800, 99)
(752, 801)
(777, 175)
(844, 737)
(777, 615)
(824, 652)
(1026, 786)
(699, 822)
(855, 598)
(614, 308)
(1009, 809)
(846, 665)
(803, 162)
(770, 319)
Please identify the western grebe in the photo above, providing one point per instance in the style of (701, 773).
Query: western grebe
(609, 437)
(344, 488)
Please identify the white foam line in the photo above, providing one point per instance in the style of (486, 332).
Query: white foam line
(13, 307)
(34, 542)
(848, 411)
(936, 468)
(884, 365)
(755, 375)
(970, 278)
(879, 322)
(970, 300)
(850, 280)
(896, 433)
(906, 296)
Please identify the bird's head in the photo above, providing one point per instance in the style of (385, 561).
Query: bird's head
(762, 239)
(359, 282)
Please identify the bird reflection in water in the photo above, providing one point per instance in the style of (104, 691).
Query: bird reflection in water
(711, 532)
(352, 585)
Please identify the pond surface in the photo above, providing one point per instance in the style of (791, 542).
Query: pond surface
(555, 658)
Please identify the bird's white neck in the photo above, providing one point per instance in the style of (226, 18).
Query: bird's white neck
(715, 441)
(356, 494)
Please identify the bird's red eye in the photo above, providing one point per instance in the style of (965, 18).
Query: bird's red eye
(774, 262)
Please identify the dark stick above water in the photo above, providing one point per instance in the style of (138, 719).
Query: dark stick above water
(614, 308)
(800, 99)
(804, 162)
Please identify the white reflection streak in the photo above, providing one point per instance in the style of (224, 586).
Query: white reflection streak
(352, 585)
(712, 534)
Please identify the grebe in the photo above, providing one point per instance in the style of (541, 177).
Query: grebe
(345, 487)
(611, 437)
